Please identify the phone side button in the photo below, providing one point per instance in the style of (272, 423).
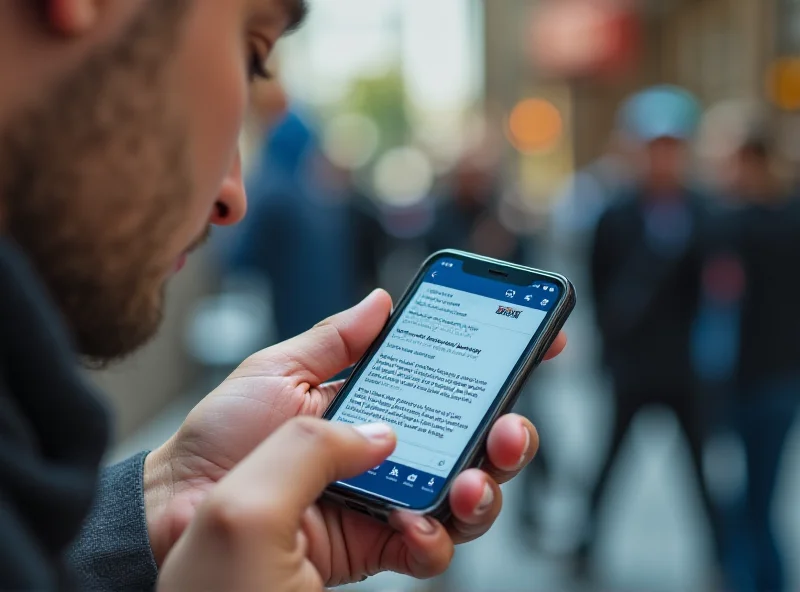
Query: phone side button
(479, 460)
(356, 507)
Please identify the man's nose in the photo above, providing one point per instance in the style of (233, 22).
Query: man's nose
(231, 204)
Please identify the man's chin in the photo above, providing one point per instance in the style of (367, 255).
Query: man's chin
(122, 338)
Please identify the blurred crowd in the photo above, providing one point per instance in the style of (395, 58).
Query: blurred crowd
(691, 236)
(692, 262)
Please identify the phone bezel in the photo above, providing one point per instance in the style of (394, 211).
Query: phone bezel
(473, 452)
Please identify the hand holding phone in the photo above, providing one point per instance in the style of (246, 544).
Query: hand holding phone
(451, 360)
(249, 532)
(288, 380)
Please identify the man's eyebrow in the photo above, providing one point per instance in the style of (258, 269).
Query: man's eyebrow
(297, 10)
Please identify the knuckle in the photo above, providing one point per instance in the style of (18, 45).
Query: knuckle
(329, 332)
(443, 561)
(317, 433)
(239, 520)
(224, 518)
(439, 563)
(448, 557)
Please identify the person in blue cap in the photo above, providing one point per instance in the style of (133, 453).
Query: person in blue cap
(645, 261)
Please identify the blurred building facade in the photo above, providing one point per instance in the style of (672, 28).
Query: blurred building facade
(604, 50)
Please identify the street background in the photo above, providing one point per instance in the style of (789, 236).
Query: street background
(397, 127)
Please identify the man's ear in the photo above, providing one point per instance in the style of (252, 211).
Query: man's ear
(73, 17)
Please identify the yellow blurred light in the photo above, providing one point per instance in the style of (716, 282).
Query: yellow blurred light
(403, 176)
(783, 83)
(535, 125)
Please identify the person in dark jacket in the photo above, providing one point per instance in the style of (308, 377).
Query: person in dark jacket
(645, 268)
(119, 124)
(758, 401)
(468, 219)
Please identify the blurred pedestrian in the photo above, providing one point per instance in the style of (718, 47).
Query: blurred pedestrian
(589, 192)
(761, 233)
(467, 217)
(298, 234)
(645, 271)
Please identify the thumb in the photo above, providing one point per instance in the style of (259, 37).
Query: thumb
(336, 343)
(289, 471)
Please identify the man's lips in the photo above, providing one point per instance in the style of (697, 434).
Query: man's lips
(180, 262)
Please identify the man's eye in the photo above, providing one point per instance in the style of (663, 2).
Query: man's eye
(256, 68)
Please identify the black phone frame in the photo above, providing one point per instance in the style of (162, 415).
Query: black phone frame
(474, 453)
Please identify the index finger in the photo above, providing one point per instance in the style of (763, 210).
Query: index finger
(314, 453)
(558, 346)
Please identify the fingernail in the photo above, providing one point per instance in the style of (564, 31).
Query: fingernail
(375, 431)
(424, 525)
(522, 458)
(486, 500)
(371, 295)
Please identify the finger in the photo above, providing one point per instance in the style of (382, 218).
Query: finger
(558, 346)
(329, 390)
(314, 453)
(336, 343)
(426, 550)
(513, 442)
(475, 500)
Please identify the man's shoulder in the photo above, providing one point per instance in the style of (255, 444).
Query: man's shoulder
(53, 429)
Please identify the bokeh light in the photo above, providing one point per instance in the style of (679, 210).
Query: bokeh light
(403, 176)
(535, 125)
(783, 83)
(351, 140)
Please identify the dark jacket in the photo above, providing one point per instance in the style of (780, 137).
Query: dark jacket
(53, 434)
(769, 246)
(645, 268)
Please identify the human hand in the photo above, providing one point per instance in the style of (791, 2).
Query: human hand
(249, 533)
(286, 381)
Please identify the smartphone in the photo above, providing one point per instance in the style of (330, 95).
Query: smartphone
(452, 358)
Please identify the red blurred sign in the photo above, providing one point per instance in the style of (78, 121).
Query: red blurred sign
(581, 38)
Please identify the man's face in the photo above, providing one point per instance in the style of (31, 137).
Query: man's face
(666, 161)
(119, 170)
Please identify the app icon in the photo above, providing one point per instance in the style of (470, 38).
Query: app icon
(430, 483)
(411, 478)
(510, 293)
(394, 472)
(545, 302)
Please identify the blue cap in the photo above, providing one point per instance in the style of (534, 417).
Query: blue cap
(661, 112)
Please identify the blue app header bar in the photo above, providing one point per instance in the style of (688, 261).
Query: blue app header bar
(449, 273)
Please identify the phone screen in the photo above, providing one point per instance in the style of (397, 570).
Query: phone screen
(436, 375)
